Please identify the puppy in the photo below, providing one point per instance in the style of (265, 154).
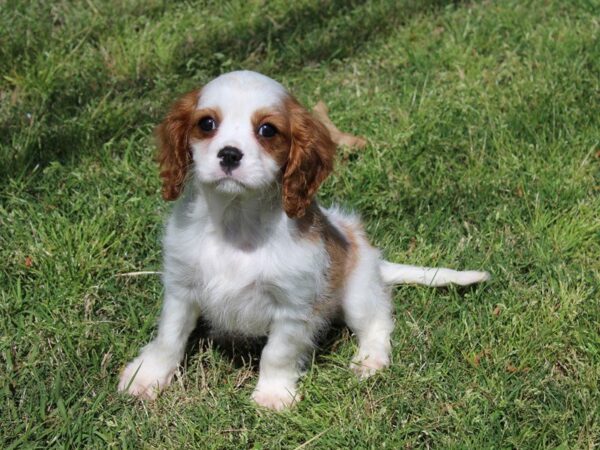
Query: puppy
(248, 248)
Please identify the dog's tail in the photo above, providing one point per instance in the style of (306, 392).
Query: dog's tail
(392, 273)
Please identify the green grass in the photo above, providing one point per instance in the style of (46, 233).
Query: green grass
(483, 122)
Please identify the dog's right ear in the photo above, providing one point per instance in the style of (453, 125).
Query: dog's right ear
(310, 159)
(175, 154)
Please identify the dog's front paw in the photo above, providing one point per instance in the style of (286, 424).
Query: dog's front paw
(367, 366)
(276, 398)
(144, 378)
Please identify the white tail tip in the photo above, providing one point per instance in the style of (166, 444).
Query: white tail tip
(402, 274)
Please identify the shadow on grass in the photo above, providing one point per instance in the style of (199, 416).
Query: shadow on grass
(310, 34)
(305, 35)
(245, 352)
(240, 351)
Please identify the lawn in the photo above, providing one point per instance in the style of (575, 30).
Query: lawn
(483, 128)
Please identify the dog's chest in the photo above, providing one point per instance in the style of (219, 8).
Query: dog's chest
(244, 290)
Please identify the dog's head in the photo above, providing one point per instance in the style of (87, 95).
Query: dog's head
(243, 133)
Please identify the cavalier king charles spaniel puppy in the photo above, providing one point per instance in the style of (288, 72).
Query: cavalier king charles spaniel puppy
(249, 249)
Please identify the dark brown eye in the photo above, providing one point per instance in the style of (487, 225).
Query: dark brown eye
(207, 124)
(267, 130)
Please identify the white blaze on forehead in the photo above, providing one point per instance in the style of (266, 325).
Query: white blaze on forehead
(242, 90)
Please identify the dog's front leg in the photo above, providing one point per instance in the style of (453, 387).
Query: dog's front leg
(153, 369)
(288, 343)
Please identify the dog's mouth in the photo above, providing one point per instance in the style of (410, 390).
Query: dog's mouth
(229, 185)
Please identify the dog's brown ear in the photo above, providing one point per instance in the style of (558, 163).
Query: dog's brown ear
(175, 154)
(310, 160)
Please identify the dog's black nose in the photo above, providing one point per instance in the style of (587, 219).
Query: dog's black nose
(230, 158)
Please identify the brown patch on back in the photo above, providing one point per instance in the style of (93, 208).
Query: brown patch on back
(352, 258)
(342, 249)
(339, 249)
(311, 224)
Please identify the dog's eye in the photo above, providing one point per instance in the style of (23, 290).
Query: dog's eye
(267, 130)
(207, 124)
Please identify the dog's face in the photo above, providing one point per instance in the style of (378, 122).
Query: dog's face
(243, 133)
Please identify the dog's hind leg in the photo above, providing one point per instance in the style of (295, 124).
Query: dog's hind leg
(367, 309)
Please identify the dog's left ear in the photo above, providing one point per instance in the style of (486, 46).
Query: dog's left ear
(310, 160)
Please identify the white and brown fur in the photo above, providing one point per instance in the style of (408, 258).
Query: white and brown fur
(249, 249)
